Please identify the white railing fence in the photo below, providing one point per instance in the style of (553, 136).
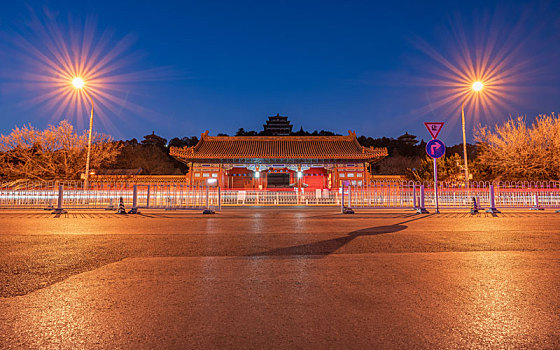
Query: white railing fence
(379, 194)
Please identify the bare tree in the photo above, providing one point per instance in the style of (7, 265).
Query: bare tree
(517, 151)
(56, 152)
(449, 169)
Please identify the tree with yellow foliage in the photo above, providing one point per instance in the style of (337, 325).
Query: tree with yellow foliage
(57, 152)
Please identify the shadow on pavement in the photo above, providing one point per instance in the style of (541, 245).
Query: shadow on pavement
(329, 246)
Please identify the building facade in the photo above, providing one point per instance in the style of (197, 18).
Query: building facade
(279, 162)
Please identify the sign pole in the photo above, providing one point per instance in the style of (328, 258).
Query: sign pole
(436, 186)
(435, 149)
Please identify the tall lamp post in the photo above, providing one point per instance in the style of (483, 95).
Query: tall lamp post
(79, 84)
(476, 87)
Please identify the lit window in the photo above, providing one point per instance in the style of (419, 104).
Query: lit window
(359, 174)
(214, 175)
(354, 183)
(205, 175)
(196, 174)
(350, 175)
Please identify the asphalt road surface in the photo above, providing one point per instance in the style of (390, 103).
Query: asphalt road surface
(279, 278)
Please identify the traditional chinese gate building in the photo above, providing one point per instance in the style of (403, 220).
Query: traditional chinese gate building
(278, 162)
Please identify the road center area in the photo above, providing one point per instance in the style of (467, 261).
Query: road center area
(283, 278)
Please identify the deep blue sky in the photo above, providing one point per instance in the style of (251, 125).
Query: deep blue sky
(326, 65)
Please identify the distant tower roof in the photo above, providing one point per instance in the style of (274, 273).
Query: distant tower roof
(408, 138)
(278, 125)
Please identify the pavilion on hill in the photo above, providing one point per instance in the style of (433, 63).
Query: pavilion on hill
(278, 126)
(408, 139)
(279, 162)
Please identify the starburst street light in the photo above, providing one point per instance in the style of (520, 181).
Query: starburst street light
(65, 64)
(58, 61)
(476, 87)
(483, 67)
(80, 85)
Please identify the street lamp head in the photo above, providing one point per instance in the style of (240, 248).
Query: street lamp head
(477, 86)
(78, 83)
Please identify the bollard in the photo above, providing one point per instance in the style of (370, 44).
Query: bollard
(59, 209)
(536, 205)
(134, 209)
(492, 208)
(422, 209)
(348, 211)
(121, 209)
(474, 206)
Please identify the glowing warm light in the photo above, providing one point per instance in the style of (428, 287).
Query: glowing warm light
(78, 83)
(487, 76)
(59, 60)
(477, 86)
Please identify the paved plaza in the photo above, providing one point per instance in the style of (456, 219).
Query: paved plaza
(279, 278)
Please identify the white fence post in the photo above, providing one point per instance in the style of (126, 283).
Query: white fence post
(59, 209)
(414, 196)
(342, 199)
(492, 208)
(208, 210)
(536, 205)
(219, 199)
(134, 209)
(422, 209)
(110, 206)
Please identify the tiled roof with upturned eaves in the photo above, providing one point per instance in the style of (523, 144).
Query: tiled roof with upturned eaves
(223, 148)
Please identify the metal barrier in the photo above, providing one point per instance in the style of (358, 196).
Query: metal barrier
(378, 194)
(105, 196)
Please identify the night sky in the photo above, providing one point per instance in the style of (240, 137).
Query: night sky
(365, 66)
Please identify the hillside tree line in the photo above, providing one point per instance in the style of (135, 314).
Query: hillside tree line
(513, 150)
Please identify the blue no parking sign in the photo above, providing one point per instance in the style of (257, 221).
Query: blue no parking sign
(435, 148)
